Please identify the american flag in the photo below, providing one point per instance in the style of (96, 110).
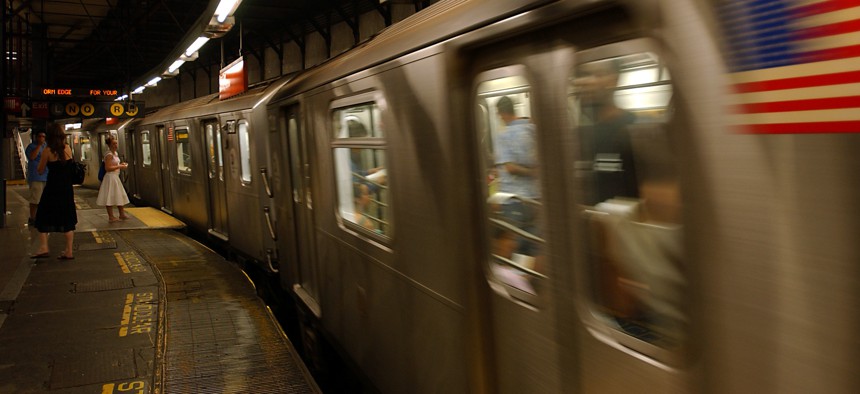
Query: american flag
(795, 65)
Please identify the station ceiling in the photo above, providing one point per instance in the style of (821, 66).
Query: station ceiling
(112, 43)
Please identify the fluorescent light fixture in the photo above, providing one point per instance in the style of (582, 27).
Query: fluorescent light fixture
(139, 90)
(73, 126)
(196, 45)
(153, 81)
(175, 66)
(120, 98)
(225, 7)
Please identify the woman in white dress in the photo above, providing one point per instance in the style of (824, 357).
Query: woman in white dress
(111, 192)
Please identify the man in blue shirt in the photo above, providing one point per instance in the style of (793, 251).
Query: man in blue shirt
(35, 180)
(516, 153)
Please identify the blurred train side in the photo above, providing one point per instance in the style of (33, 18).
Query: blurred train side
(770, 275)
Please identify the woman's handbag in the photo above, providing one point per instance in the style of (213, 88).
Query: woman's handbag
(102, 171)
(79, 172)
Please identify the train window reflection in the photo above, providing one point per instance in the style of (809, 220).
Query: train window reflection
(85, 149)
(245, 152)
(514, 209)
(183, 152)
(146, 148)
(634, 237)
(210, 148)
(361, 169)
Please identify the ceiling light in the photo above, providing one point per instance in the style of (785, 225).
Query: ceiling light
(196, 45)
(175, 66)
(225, 7)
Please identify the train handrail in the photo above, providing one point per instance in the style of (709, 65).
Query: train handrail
(267, 213)
(265, 175)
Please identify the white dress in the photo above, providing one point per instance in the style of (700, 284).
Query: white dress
(112, 191)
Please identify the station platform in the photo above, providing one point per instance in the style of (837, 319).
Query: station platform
(141, 309)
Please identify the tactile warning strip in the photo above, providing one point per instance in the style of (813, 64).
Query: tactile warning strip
(102, 285)
(220, 337)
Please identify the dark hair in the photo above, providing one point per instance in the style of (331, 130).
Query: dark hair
(356, 128)
(109, 139)
(505, 105)
(56, 140)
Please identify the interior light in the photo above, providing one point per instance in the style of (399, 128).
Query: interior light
(196, 45)
(139, 90)
(175, 66)
(223, 10)
(120, 98)
(153, 81)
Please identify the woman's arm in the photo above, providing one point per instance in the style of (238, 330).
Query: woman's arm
(43, 162)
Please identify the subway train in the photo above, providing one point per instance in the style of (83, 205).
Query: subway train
(520, 196)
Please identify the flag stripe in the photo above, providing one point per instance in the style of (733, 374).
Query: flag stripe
(796, 70)
(814, 92)
(829, 29)
(822, 7)
(828, 18)
(799, 105)
(800, 128)
(799, 82)
(821, 115)
(845, 52)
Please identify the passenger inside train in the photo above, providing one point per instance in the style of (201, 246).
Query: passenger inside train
(360, 164)
(633, 202)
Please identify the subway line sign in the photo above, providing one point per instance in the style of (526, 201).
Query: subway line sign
(96, 109)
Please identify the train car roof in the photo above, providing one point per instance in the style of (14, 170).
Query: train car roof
(211, 105)
(437, 23)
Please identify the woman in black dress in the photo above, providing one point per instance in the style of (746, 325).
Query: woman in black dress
(56, 212)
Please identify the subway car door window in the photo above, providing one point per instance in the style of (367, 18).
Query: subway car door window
(508, 140)
(633, 247)
(146, 148)
(360, 169)
(183, 152)
(244, 152)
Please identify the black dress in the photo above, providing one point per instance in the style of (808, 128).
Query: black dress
(56, 213)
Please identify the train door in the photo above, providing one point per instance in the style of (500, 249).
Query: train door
(632, 287)
(217, 184)
(164, 136)
(131, 174)
(294, 200)
(514, 217)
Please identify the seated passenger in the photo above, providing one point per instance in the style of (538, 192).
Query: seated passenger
(361, 196)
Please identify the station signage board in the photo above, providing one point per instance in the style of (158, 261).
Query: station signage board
(87, 109)
(232, 79)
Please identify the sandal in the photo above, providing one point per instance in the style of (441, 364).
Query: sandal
(40, 255)
(123, 217)
(64, 257)
(112, 220)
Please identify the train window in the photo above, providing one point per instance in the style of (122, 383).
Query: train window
(622, 108)
(360, 167)
(513, 194)
(146, 148)
(210, 148)
(244, 152)
(85, 148)
(219, 152)
(183, 152)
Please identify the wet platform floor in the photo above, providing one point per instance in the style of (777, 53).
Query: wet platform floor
(142, 308)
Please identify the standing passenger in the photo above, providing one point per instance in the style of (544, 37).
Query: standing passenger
(516, 153)
(56, 211)
(112, 192)
(609, 137)
(34, 179)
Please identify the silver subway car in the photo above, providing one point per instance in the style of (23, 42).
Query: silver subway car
(550, 196)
